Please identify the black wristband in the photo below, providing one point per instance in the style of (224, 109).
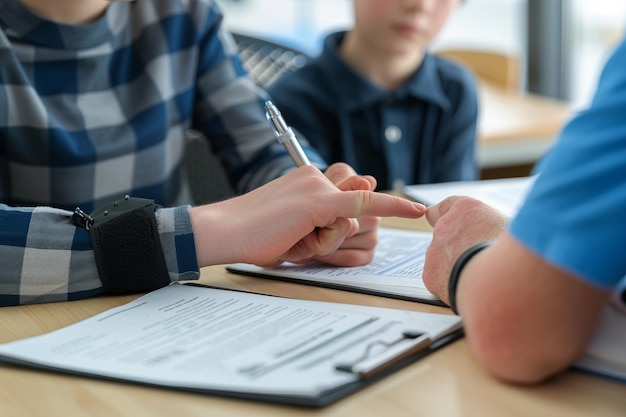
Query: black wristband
(455, 275)
(127, 247)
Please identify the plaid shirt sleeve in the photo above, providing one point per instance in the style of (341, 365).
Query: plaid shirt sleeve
(45, 258)
(230, 110)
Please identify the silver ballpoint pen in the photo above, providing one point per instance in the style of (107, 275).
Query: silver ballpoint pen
(285, 135)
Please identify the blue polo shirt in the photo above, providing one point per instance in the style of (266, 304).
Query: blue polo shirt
(422, 132)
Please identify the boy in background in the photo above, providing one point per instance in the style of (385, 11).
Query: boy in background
(376, 99)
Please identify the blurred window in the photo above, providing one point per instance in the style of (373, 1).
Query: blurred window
(576, 36)
(595, 27)
(491, 24)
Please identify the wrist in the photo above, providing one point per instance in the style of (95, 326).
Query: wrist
(455, 274)
(215, 234)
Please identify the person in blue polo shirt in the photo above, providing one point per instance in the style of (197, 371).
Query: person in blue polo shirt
(95, 102)
(378, 100)
(531, 290)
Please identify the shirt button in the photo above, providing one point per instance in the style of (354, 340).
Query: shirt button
(398, 185)
(393, 133)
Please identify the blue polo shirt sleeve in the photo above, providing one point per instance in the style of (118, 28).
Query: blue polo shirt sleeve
(574, 215)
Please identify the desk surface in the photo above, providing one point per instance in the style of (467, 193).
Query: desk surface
(446, 383)
(516, 128)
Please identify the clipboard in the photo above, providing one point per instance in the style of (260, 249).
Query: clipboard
(164, 363)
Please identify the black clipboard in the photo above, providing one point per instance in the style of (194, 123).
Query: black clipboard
(334, 395)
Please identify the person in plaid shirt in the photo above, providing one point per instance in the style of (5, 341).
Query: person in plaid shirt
(95, 102)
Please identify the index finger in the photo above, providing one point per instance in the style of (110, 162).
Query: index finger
(360, 203)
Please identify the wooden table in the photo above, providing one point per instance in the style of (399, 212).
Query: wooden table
(448, 383)
(516, 129)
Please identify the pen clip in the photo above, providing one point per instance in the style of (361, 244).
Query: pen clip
(409, 343)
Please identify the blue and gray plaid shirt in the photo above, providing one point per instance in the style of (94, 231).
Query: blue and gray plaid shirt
(90, 113)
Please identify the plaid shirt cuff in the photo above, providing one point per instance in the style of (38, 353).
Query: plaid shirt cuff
(178, 243)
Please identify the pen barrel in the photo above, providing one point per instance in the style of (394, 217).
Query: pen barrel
(285, 135)
(289, 141)
(279, 124)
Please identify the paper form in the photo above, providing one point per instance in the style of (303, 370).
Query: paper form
(206, 338)
(396, 268)
(506, 194)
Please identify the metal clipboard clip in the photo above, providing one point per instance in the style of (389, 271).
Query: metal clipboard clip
(369, 364)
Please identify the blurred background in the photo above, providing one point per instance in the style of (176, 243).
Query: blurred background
(561, 44)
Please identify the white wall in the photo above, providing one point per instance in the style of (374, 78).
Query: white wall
(498, 25)
(300, 23)
(492, 24)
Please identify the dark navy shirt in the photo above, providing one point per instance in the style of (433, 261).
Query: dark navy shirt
(422, 132)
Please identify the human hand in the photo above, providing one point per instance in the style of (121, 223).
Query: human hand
(458, 223)
(294, 218)
(359, 246)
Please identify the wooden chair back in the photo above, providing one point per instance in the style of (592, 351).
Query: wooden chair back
(499, 69)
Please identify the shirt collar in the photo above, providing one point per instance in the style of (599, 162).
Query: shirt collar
(359, 92)
(20, 21)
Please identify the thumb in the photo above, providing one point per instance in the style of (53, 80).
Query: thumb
(366, 183)
(437, 211)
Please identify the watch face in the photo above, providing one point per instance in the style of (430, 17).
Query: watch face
(618, 298)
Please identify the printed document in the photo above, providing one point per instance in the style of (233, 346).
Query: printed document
(396, 270)
(606, 353)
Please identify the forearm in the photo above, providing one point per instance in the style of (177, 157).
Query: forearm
(525, 320)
